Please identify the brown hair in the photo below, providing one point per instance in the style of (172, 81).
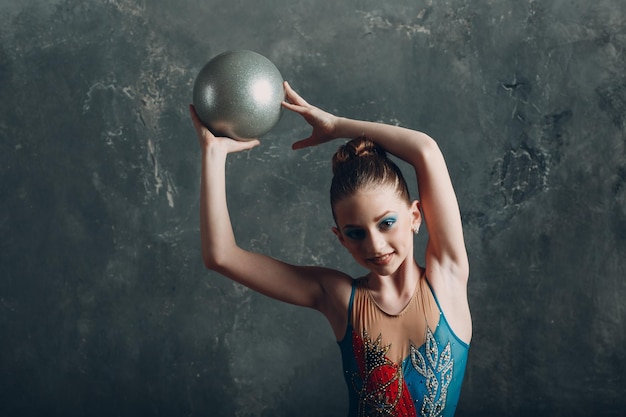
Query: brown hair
(361, 164)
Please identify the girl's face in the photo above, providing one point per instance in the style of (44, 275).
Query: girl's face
(376, 228)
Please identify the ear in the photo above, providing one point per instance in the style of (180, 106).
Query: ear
(339, 235)
(416, 213)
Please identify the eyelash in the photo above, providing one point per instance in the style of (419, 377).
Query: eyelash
(356, 234)
(387, 223)
(359, 234)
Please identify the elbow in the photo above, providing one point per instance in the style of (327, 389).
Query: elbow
(212, 260)
(209, 262)
(430, 147)
(426, 150)
(221, 257)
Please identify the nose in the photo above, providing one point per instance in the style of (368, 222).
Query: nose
(374, 242)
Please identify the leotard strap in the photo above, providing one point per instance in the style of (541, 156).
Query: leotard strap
(351, 301)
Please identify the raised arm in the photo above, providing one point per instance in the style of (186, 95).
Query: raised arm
(446, 246)
(304, 286)
(446, 255)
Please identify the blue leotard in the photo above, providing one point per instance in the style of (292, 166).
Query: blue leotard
(409, 380)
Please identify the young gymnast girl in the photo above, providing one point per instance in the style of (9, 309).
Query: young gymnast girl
(403, 329)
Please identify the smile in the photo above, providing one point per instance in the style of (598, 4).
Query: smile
(381, 260)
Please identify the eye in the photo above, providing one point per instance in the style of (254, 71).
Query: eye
(387, 223)
(355, 234)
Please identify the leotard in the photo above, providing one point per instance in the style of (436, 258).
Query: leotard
(386, 372)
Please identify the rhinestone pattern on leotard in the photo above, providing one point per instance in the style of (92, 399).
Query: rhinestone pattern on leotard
(427, 382)
(437, 367)
(379, 382)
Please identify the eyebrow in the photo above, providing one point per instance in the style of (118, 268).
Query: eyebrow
(377, 219)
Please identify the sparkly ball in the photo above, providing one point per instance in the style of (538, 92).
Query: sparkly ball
(238, 94)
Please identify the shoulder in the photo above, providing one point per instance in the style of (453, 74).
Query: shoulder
(336, 287)
(335, 300)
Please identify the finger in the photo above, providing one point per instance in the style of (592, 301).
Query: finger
(196, 120)
(250, 143)
(294, 97)
(246, 145)
(304, 143)
(194, 115)
(292, 107)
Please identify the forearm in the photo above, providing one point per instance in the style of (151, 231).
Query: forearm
(215, 226)
(436, 193)
(412, 146)
(220, 252)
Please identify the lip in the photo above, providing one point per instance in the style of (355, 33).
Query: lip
(381, 260)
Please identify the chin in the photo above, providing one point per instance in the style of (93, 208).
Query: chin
(388, 269)
(383, 271)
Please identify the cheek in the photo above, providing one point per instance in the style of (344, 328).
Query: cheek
(401, 234)
(353, 246)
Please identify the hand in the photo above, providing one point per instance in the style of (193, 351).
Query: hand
(323, 123)
(209, 140)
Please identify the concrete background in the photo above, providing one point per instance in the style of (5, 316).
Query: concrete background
(105, 308)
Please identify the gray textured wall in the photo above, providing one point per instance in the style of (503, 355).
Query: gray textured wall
(105, 309)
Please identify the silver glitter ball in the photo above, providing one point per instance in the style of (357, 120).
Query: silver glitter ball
(238, 94)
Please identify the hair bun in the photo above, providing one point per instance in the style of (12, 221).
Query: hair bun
(358, 148)
(362, 165)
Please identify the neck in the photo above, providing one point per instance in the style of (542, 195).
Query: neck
(399, 286)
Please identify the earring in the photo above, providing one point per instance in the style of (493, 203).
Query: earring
(416, 229)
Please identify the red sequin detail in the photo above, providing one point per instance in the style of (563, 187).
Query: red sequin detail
(382, 388)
